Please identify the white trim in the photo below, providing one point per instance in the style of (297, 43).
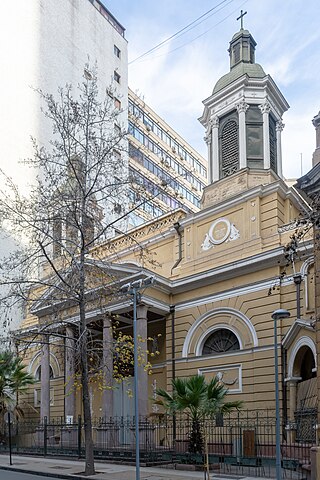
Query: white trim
(219, 326)
(53, 363)
(304, 272)
(213, 313)
(238, 366)
(301, 342)
(305, 266)
(235, 292)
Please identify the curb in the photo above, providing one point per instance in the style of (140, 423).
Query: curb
(44, 474)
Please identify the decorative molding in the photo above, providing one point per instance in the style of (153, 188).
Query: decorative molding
(306, 265)
(218, 312)
(214, 121)
(36, 362)
(265, 107)
(242, 106)
(302, 342)
(216, 236)
(288, 227)
(280, 126)
(225, 369)
(207, 333)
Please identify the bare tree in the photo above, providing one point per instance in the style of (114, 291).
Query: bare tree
(73, 206)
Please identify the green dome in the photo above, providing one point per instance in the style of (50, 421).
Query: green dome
(253, 70)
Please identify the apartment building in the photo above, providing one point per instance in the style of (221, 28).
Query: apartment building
(167, 172)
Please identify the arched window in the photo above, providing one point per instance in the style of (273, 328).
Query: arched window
(37, 375)
(220, 341)
(229, 145)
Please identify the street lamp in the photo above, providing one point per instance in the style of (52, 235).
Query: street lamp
(133, 289)
(277, 315)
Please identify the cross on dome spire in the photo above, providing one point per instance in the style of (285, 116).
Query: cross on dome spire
(242, 14)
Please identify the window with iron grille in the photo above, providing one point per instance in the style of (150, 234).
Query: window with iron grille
(229, 147)
(220, 341)
(273, 143)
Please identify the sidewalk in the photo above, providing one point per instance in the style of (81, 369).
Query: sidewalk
(67, 469)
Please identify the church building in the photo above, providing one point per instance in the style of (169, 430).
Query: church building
(219, 274)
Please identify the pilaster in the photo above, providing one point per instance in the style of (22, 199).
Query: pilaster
(107, 355)
(242, 107)
(45, 378)
(70, 395)
(279, 127)
(214, 156)
(265, 110)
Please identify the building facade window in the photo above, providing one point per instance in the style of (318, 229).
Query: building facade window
(166, 137)
(220, 341)
(162, 174)
(116, 76)
(117, 103)
(116, 51)
(254, 137)
(229, 145)
(168, 160)
(273, 143)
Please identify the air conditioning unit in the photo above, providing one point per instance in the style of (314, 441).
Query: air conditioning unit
(148, 128)
(173, 149)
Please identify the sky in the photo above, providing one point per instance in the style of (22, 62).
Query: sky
(176, 78)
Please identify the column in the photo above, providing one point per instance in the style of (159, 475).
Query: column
(265, 109)
(292, 406)
(242, 107)
(142, 332)
(70, 394)
(45, 378)
(208, 139)
(107, 358)
(279, 128)
(215, 148)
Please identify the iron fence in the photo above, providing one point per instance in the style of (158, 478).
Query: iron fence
(240, 443)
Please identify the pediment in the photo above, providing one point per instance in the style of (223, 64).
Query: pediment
(100, 274)
(295, 329)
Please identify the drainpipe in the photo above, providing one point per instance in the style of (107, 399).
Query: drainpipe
(176, 226)
(297, 278)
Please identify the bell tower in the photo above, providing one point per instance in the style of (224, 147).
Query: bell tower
(243, 116)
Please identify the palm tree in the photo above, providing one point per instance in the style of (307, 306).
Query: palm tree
(199, 400)
(14, 380)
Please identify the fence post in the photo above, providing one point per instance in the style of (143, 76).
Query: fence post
(45, 435)
(79, 436)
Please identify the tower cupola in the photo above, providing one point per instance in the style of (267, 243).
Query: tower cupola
(242, 48)
(243, 116)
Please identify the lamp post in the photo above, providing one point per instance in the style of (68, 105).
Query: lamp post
(277, 315)
(133, 289)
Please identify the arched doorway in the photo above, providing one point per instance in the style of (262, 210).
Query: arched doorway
(303, 368)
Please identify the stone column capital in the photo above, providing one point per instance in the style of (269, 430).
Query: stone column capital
(207, 138)
(265, 107)
(280, 125)
(242, 106)
(214, 121)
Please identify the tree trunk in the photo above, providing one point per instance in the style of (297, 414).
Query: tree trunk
(89, 455)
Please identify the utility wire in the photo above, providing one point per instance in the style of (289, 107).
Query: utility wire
(198, 36)
(184, 29)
